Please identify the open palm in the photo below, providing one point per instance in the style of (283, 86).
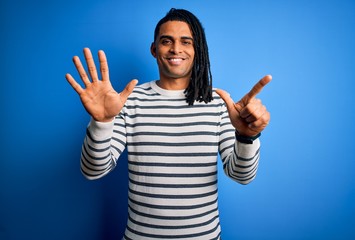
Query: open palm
(98, 97)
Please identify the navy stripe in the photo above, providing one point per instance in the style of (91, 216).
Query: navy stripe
(94, 164)
(244, 173)
(165, 164)
(88, 134)
(177, 186)
(92, 149)
(168, 196)
(174, 107)
(131, 98)
(172, 134)
(93, 157)
(173, 144)
(119, 133)
(227, 131)
(164, 116)
(119, 124)
(160, 99)
(173, 207)
(227, 139)
(247, 159)
(161, 217)
(176, 175)
(144, 93)
(228, 148)
(184, 124)
(173, 226)
(166, 154)
(173, 236)
(98, 172)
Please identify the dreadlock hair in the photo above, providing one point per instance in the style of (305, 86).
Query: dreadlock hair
(200, 86)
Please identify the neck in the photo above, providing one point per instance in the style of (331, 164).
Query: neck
(173, 84)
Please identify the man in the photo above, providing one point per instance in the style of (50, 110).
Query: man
(174, 129)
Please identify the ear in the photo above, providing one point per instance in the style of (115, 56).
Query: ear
(153, 49)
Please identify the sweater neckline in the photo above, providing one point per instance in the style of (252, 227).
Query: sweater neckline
(164, 92)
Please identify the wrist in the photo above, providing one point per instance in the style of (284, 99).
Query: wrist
(103, 120)
(246, 139)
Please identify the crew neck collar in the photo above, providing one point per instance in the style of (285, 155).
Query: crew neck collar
(164, 92)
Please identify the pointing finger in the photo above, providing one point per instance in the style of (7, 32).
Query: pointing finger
(256, 89)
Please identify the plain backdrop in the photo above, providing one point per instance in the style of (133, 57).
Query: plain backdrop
(305, 187)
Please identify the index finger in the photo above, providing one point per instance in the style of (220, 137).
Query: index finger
(103, 66)
(256, 89)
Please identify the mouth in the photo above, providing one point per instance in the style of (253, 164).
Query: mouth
(175, 60)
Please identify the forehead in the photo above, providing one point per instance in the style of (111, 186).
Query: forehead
(175, 29)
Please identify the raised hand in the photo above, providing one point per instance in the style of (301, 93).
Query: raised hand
(98, 97)
(248, 116)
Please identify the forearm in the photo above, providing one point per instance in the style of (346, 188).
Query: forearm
(103, 144)
(242, 163)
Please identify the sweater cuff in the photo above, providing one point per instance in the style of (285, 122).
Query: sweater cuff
(247, 150)
(100, 130)
(245, 139)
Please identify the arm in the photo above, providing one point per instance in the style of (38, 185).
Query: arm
(240, 160)
(248, 117)
(103, 144)
(105, 138)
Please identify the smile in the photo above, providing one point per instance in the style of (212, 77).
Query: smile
(175, 60)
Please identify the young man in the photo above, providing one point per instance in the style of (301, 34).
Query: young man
(174, 129)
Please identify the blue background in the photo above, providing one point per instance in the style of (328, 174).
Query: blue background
(305, 188)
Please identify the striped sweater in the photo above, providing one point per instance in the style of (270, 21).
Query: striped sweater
(172, 161)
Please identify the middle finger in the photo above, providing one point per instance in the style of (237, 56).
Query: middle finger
(258, 112)
(250, 108)
(91, 64)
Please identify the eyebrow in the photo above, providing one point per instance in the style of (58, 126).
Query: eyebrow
(171, 37)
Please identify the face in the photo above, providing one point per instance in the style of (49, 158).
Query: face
(173, 48)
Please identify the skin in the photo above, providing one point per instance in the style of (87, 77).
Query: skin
(248, 116)
(99, 98)
(174, 52)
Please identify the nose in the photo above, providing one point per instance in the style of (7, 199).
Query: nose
(176, 48)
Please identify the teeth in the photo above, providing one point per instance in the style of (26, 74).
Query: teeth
(175, 59)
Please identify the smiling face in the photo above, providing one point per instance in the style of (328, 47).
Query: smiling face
(174, 50)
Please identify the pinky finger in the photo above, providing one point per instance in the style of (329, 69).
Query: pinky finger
(74, 84)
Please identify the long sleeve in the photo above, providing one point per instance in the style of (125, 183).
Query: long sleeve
(103, 144)
(172, 161)
(240, 160)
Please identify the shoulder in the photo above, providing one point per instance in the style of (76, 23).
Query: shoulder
(144, 89)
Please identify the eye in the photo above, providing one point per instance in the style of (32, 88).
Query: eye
(166, 41)
(186, 42)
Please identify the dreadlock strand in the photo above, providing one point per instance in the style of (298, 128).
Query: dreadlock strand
(200, 85)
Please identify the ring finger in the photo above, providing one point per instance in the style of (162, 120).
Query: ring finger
(79, 67)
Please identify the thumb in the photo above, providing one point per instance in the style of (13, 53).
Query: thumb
(129, 88)
(226, 98)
